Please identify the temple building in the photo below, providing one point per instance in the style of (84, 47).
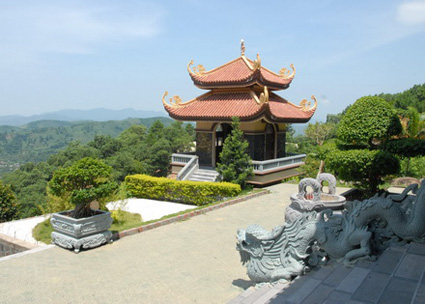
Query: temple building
(246, 89)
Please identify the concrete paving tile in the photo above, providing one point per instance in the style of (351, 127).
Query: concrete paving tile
(398, 247)
(267, 297)
(256, 295)
(318, 295)
(398, 290)
(420, 296)
(388, 261)
(416, 248)
(365, 264)
(337, 297)
(353, 280)
(372, 287)
(411, 267)
(336, 277)
(322, 272)
(248, 292)
(294, 286)
(308, 286)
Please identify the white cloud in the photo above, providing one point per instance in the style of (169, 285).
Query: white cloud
(52, 26)
(411, 12)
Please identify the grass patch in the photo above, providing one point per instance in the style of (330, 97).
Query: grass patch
(125, 220)
(42, 232)
(242, 194)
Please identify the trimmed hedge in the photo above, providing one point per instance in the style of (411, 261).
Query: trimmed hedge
(187, 192)
(366, 167)
(405, 147)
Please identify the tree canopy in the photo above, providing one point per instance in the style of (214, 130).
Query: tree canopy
(81, 183)
(369, 118)
(8, 205)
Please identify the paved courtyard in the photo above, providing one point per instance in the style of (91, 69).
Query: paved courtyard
(192, 261)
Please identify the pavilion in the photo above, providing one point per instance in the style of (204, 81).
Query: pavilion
(246, 89)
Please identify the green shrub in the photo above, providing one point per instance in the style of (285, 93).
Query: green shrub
(367, 119)
(188, 192)
(405, 147)
(364, 167)
(8, 203)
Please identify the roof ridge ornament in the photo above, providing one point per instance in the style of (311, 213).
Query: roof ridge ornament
(175, 101)
(257, 63)
(286, 74)
(305, 105)
(199, 70)
(264, 97)
(242, 47)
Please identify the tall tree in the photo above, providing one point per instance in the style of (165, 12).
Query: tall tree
(235, 162)
(319, 132)
(8, 204)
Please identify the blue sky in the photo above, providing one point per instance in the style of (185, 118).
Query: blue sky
(124, 54)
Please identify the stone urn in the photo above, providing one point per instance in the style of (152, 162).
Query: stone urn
(88, 232)
(317, 200)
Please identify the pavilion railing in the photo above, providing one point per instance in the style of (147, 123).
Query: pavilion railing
(190, 164)
(278, 163)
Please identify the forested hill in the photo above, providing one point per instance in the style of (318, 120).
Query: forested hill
(413, 97)
(36, 141)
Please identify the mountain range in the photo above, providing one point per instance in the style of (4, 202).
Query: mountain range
(98, 114)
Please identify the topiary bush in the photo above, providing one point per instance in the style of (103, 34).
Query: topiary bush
(363, 167)
(188, 192)
(369, 118)
(405, 147)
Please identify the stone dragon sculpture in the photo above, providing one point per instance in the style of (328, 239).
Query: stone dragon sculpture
(362, 230)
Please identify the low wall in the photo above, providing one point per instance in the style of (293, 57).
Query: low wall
(9, 245)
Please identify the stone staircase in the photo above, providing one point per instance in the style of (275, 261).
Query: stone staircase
(204, 175)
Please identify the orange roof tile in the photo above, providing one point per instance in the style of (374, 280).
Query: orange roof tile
(241, 72)
(246, 104)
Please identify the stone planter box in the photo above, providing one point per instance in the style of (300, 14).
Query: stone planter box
(86, 232)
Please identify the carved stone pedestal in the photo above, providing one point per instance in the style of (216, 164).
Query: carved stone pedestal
(86, 232)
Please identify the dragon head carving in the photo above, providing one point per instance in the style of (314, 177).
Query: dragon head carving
(250, 243)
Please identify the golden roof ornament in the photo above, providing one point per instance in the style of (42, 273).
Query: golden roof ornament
(198, 70)
(305, 105)
(175, 101)
(264, 97)
(257, 63)
(242, 47)
(286, 73)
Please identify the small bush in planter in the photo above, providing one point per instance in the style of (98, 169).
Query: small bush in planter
(83, 182)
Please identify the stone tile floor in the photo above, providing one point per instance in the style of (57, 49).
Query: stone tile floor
(397, 276)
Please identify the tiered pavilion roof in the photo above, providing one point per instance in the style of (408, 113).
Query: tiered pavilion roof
(243, 88)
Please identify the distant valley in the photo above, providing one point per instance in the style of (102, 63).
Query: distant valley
(37, 140)
(99, 114)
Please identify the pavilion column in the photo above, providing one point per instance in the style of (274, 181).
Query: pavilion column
(281, 144)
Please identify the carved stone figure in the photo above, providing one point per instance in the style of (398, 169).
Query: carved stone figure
(361, 231)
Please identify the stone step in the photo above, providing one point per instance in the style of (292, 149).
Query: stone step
(203, 175)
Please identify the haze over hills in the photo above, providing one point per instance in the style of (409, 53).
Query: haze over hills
(37, 140)
(98, 114)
